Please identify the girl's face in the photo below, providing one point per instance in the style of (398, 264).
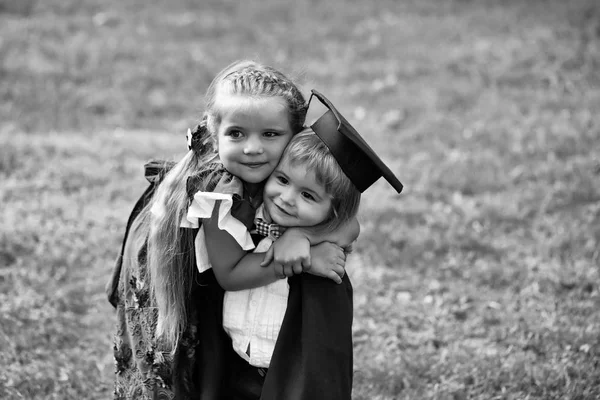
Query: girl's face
(294, 197)
(252, 135)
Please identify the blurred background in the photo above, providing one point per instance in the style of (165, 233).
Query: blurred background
(479, 281)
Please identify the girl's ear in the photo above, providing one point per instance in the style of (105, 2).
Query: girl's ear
(212, 127)
(211, 124)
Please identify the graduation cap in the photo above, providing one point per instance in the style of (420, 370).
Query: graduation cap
(357, 159)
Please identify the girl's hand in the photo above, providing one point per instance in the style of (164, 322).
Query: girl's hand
(291, 251)
(328, 261)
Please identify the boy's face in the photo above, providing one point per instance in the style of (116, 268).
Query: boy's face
(293, 197)
(252, 135)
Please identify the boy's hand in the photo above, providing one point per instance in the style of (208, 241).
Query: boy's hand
(291, 251)
(328, 261)
(279, 271)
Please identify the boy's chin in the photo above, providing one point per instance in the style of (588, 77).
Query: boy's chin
(273, 217)
(286, 222)
(280, 222)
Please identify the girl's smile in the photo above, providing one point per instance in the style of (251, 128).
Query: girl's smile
(255, 164)
(252, 135)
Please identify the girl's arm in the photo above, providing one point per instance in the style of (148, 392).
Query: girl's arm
(235, 269)
(225, 255)
(291, 249)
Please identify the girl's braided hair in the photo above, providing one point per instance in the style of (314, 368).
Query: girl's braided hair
(170, 271)
(250, 78)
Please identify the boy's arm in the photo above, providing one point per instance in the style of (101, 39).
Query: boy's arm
(290, 250)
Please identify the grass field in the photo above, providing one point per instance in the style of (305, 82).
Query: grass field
(481, 281)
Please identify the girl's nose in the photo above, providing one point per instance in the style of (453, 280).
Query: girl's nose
(253, 146)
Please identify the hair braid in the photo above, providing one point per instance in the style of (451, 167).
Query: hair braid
(254, 79)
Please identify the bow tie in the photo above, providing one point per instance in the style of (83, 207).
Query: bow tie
(266, 229)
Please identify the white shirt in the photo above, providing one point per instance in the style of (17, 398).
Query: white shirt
(253, 317)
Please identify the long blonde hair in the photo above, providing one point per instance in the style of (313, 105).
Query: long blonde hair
(169, 258)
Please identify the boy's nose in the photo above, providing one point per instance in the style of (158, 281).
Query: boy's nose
(287, 197)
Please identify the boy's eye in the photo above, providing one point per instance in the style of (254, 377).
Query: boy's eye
(282, 180)
(308, 196)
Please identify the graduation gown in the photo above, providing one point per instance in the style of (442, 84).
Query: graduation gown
(313, 355)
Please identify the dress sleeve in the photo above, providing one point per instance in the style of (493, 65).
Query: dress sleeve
(219, 185)
(202, 206)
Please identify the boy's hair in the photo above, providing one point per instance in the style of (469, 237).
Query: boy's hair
(309, 151)
(170, 272)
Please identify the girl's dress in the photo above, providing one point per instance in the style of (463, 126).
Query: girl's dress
(313, 353)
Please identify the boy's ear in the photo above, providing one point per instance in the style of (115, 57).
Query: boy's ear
(335, 213)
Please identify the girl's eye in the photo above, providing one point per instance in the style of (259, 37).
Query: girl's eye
(282, 180)
(270, 134)
(308, 196)
(235, 134)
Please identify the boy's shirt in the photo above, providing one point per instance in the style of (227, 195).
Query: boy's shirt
(253, 317)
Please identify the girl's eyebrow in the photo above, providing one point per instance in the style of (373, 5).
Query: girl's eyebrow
(273, 129)
(235, 127)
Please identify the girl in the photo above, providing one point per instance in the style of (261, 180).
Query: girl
(156, 288)
(307, 189)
